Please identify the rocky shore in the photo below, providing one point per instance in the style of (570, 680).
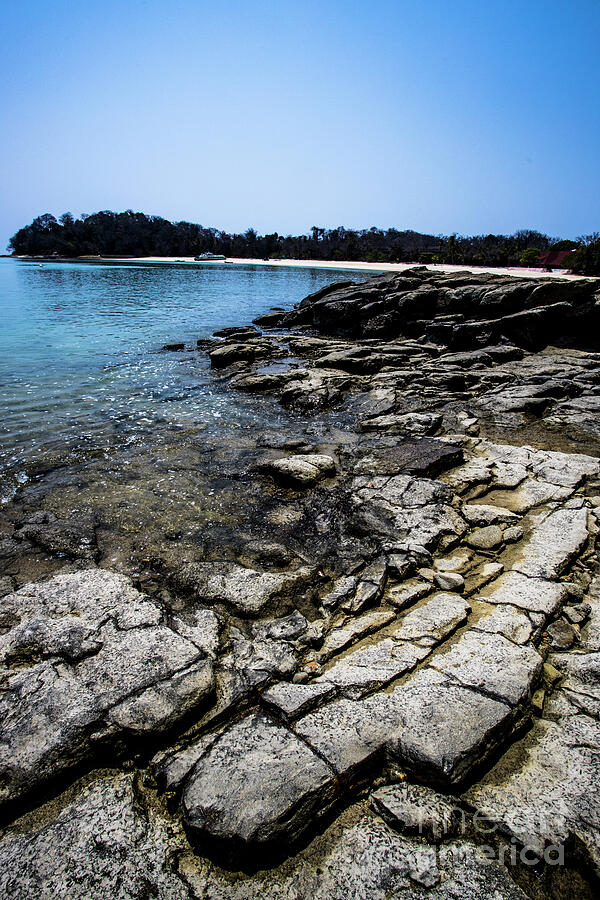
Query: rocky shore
(371, 669)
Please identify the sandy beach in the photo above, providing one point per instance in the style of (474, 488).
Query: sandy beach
(515, 271)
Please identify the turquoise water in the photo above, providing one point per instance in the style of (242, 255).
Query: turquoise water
(81, 363)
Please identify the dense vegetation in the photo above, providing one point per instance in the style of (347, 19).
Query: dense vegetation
(135, 234)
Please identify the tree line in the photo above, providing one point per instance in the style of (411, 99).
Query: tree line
(129, 233)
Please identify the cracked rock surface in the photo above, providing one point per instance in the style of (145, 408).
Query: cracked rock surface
(364, 660)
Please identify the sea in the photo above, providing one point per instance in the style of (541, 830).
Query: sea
(81, 361)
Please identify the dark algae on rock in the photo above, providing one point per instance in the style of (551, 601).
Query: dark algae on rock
(350, 653)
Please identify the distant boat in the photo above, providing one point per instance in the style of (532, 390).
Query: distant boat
(208, 257)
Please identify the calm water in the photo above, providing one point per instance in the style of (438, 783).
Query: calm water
(80, 350)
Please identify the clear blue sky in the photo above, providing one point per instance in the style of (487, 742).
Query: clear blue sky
(446, 115)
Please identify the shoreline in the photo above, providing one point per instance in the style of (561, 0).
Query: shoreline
(358, 266)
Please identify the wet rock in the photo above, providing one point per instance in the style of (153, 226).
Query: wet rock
(246, 351)
(301, 471)
(246, 590)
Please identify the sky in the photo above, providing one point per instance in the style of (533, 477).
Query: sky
(441, 116)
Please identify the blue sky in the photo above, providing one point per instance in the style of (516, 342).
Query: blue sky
(442, 116)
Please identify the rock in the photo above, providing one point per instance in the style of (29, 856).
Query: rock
(482, 514)
(450, 581)
(444, 730)
(294, 700)
(96, 842)
(545, 791)
(554, 543)
(173, 346)
(246, 590)
(455, 563)
(256, 786)
(409, 423)
(561, 634)
(513, 534)
(577, 614)
(533, 594)
(493, 665)
(343, 589)
(85, 661)
(372, 666)
(344, 635)
(434, 620)
(407, 593)
(405, 508)
(414, 809)
(509, 621)
(246, 351)
(488, 538)
(301, 471)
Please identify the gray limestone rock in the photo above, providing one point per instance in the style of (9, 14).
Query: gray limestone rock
(414, 809)
(294, 700)
(434, 620)
(450, 581)
(301, 471)
(87, 659)
(96, 844)
(554, 543)
(533, 594)
(257, 785)
(492, 664)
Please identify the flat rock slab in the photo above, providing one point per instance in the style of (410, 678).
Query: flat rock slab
(554, 543)
(444, 730)
(86, 658)
(373, 666)
(548, 789)
(492, 664)
(294, 700)
(414, 809)
(533, 594)
(99, 844)
(257, 785)
(430, 725)
(434, 620)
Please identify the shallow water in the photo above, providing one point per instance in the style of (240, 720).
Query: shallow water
(81, 365)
